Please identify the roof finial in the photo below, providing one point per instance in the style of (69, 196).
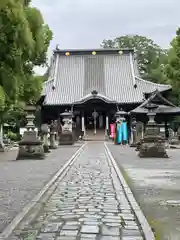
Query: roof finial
(58, 47)
(94, 93)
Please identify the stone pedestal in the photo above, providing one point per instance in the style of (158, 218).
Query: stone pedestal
(174, 140)
(153, 144)
(30, 147)
(52, 141)
(66, 136)
(152, 148)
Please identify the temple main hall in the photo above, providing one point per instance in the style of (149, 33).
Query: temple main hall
(94, 84)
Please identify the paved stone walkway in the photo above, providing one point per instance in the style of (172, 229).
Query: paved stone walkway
(88, 203)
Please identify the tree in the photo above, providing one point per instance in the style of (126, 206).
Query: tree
(24, 41)
(172, 69)
(33, 88)
(2, 102)
(151, 58)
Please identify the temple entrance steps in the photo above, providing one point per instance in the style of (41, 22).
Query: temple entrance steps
(99, 136)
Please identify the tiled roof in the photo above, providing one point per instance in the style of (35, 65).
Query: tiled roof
(111, 74)
(164, 106)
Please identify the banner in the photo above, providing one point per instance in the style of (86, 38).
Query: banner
(119, 133)
(124, 131)
(112, 130)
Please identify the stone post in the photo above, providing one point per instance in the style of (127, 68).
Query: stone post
(30, 147)
(52, 136)
(45, 131)
(66, 137)
(133, 131)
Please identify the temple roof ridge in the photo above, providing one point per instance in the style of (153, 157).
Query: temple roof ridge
(155, 94)
(157, 84)
(86, 50)
(164, 106)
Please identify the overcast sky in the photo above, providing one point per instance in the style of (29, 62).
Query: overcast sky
(85, 23)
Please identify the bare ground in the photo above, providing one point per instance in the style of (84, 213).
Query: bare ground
(154, 182)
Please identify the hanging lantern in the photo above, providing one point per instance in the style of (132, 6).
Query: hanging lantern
(95, 114)
(120, 52)
(93, 53)
(67, 53)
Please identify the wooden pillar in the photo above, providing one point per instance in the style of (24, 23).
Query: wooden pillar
(83, 124)
(107, 126)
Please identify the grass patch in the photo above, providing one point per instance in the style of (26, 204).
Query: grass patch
(156, 227)
(126, 176)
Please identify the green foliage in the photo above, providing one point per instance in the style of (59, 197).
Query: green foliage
(32, 89)
(24, 41)
(13, 136)
(14, 115)
(151, 58)
(2, 99)
(172, 69)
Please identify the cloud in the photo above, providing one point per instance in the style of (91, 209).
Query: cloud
(85, 23)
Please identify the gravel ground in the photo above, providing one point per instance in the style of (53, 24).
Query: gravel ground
(154, 182)
(20, 181)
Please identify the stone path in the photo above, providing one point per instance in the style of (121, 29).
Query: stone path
(89, 203)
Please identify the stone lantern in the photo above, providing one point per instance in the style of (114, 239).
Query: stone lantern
(53, 129)
(66, 137)
(153, 143)
(30, 147)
